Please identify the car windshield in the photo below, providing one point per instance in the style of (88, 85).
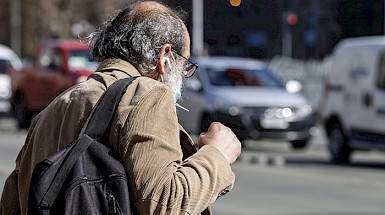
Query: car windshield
(4, 64)
(80, 59)
(243, 77)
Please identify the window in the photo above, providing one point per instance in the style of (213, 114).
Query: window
(51, 59)
(243, 77)
(81, 59)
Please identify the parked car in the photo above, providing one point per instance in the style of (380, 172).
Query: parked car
(56, 66)
(244, 95)
(8, 60)
(354, 97)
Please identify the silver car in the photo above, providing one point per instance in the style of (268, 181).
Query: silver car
(244, 95)
(8, 60)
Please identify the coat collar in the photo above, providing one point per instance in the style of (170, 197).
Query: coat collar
(118, 64)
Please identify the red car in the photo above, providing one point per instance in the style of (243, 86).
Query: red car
(56, 66)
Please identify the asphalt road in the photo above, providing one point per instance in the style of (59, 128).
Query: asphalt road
(271, 179)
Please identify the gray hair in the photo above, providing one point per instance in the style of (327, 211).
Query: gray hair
(137, 36)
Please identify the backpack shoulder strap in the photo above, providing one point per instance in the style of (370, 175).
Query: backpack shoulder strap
(103, 113)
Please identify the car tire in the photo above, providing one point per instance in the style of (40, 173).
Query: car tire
(23, 116)
(298, 144)
(338, 148)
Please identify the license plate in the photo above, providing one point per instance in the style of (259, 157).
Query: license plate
(274, 123)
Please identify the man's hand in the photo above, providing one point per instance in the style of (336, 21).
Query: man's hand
(224, 139)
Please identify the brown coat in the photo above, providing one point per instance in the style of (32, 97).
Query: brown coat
(166, 173)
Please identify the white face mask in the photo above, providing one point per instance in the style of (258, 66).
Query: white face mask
(178, 90)
(174, 79)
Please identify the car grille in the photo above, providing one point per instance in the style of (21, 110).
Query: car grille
(256, 111)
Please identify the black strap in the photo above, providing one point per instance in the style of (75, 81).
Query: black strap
(104, 111)
(94, 128)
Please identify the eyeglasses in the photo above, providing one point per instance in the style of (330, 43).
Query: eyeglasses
(189, 67)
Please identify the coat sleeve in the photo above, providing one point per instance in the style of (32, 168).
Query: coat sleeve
(163, 183)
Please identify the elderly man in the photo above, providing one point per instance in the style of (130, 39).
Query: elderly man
(167, 174)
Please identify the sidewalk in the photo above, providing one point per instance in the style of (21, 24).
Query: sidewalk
(11, 141)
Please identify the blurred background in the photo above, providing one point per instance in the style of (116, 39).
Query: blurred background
(306, 30)
(251, 29)
(286, 64)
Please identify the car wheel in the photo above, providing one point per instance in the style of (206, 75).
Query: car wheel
(22, 115)
(298, 144)
(338, 148)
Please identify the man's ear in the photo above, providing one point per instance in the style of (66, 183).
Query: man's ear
(163, 54)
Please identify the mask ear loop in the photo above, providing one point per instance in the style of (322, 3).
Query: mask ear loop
(176, 104)
(175, 67)
(165, 60)
(172, 55)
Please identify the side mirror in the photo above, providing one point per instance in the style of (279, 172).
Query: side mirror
(193, 84)
(293, 86)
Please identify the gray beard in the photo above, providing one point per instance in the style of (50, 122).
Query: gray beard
(172, 80)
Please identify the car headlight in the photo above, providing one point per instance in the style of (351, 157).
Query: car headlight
(286, 113)
(278, 113)
(5, 92)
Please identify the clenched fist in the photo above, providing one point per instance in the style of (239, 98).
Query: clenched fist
(224, 139)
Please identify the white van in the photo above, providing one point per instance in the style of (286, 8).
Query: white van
(353, 108)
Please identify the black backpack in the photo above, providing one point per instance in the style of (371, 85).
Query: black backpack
(88, 176)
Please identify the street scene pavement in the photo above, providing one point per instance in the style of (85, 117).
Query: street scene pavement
(272, 179)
